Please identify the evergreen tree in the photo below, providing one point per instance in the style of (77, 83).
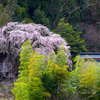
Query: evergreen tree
(39, 17)
(71, 36)
(7, 11)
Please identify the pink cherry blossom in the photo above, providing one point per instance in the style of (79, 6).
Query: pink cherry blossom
(44, 41)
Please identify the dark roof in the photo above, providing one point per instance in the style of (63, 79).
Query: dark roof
(89, 53)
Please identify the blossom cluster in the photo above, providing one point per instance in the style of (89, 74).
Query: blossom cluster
(44, 41)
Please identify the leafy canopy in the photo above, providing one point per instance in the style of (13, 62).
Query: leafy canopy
(86, 78)
(40, 76)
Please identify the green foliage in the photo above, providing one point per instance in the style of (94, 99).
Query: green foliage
(29, 85)
(28, 20)
(39, 17)
(37, 63)
(49, 82)
(86, 78)
(71, 36)
(21, 86)
(7, 10)
(50, 12)
(54, 79)
(48, 77)
(89, 78)
(56, 73)
(72, 84)
(5, 2)
(61, 57)
(40, 78)
(19, 11)
(4, 17)
(25, 54)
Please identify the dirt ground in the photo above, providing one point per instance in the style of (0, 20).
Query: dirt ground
(5, 90)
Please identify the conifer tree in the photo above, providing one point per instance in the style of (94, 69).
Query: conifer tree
(7, 11)
(71, 36)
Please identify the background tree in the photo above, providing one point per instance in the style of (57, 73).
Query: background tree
(54, 10)
(74, 11)
(40, 17)
(72, 36)
(7, 10)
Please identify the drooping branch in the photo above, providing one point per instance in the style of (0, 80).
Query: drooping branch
(14, 34)
(67, 9)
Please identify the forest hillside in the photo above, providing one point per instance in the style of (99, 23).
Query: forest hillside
(39, 44)
(83, 15)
